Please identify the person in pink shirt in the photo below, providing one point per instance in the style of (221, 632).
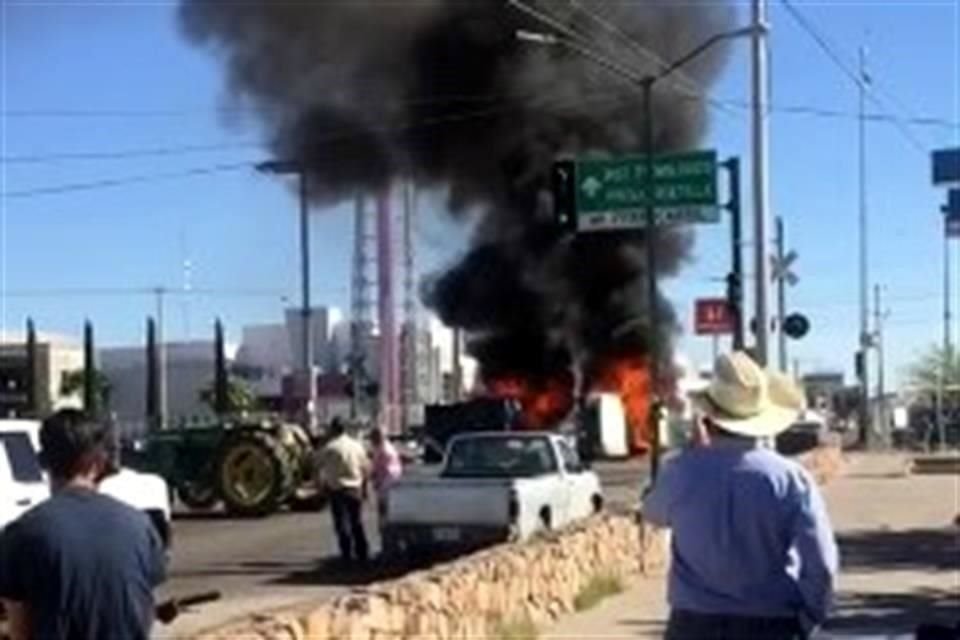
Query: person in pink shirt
(386, 468)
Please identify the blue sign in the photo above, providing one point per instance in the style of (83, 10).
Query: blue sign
(951, 214)
(946, 166)
(953, 202)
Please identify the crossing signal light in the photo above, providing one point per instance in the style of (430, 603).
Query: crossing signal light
(859, 364)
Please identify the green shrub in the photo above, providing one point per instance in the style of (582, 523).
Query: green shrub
(597, 589)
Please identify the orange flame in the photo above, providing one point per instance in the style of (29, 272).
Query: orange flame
(543, 404)
(630, 378)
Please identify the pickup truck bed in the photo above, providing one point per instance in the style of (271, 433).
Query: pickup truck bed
(528, 482)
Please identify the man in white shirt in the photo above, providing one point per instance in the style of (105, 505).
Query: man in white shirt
(342, 476)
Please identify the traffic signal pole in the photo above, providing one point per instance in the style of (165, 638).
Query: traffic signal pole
(735, 277)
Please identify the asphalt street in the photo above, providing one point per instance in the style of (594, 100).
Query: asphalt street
(286, 558)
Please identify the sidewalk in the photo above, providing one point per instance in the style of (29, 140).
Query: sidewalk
(900, 557)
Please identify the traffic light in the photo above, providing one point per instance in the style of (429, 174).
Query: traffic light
(564, 183)
(734, 291)
(859, 364)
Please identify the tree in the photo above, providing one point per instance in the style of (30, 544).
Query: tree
(924, 374)
(71, 384)
(240, 397)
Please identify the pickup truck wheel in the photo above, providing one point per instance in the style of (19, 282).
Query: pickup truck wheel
(392, 547)
(546, 519)
(597, 503)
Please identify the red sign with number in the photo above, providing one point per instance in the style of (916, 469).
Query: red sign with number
(712, 317)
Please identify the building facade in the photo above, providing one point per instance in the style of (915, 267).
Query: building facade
(56, 356)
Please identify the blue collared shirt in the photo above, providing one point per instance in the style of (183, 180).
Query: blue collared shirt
(751, 534)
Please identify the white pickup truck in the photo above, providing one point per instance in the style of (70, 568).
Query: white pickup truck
(493, 487)
(23, 483)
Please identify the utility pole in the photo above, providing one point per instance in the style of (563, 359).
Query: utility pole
(761, 185)
(879, 315)
(781, 296)
(865, 339)
(651, 248)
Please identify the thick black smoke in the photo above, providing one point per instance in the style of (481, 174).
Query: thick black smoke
(442, 90)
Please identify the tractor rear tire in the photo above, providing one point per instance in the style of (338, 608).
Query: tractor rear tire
(255, 473)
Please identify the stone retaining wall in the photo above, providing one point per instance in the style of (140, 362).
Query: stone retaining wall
(537, 580)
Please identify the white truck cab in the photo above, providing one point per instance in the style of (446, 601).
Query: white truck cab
(23, 483)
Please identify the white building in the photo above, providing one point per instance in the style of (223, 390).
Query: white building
(189, 369)
(56, 356)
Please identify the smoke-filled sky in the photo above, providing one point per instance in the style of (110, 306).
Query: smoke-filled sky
(443, 91)
(119, 77)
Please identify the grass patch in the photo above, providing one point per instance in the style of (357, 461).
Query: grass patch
(597, 589)
(522, 629)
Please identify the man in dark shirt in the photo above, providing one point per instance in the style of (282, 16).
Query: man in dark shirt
(81, 565)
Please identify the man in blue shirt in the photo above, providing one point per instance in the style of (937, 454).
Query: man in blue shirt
(81, 565)
(754, 555)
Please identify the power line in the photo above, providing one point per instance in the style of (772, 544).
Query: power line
(679, 76)
(848, 70)
(586, 43)
(804, 110)
(46, 112)
(143, 291)
(116, 182)
(125, 154)
(224, 168)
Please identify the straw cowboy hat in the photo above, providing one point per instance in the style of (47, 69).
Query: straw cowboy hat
(744, 399)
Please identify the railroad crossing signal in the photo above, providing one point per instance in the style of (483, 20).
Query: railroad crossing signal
(796, 325)
(780, 269)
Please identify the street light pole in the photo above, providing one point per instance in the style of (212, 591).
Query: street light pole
(306, 353)
(945, 360)
(652, 306)
(299, 169)
(646, 84)
(162, 378)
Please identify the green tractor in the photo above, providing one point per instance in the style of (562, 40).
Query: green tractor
(253, 468)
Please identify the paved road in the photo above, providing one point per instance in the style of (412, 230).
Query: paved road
(283, 559)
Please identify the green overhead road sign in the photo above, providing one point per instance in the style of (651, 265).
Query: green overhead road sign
(612, 193)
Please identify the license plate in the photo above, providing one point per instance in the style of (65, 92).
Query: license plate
(446, 534)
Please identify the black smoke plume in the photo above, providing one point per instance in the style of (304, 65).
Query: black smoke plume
(367, 91)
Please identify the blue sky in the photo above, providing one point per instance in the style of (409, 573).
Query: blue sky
(106, 77)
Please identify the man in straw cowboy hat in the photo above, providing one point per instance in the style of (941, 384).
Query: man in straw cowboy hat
(754, 554)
